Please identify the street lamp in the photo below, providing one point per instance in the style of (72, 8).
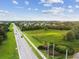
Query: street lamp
(48, 51)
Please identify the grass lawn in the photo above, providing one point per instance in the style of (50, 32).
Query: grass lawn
(38, 37)
(8, 48)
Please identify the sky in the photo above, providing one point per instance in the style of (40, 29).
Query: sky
(39, 10)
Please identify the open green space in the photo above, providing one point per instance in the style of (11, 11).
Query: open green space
(40, 37)
(8, 48)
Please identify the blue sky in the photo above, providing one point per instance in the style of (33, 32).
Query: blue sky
(49, 10)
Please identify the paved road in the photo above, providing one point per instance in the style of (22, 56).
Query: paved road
(76, 56)
(24, 50)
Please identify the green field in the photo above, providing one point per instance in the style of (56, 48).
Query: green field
(39, 37)
(8, 48)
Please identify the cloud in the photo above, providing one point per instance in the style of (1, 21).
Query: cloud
(4, 15)
(54, 11)
(7, 16)
(39, 17)
(57, 11)
(77, 6)
(3, 11)
(70, 10)
(77, 0)
(15, 2)
(52, 1)
(47, 5)
(45, 17)
(29, 8)
(36, 9)
(69, 6)
(27, 2)
(19, 7)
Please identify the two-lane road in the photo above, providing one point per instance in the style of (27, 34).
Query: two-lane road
(24, 50)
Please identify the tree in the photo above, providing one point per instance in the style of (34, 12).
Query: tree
(76, 31)
(3, 30)
(70, 36)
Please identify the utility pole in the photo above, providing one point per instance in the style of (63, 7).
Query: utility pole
(53, 51)
(66, 57)
(48, 51)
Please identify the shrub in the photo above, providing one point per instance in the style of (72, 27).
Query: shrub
(70, 36)
(42, 47)
(62, 49)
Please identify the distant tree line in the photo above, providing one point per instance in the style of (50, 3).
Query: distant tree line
(45, 25)
(72, 27)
